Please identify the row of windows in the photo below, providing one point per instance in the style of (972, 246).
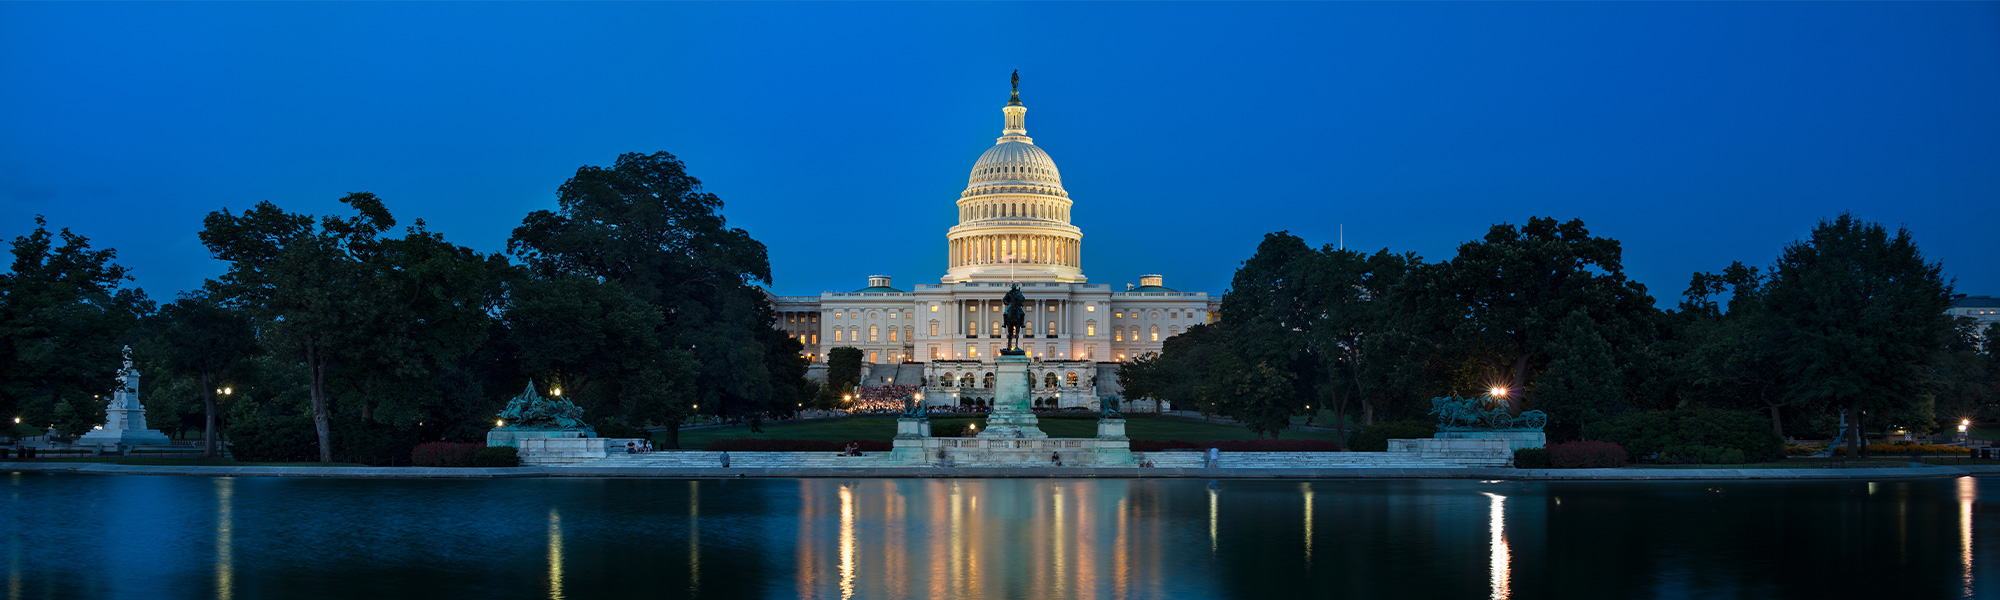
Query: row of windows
(857, 314)
(1171, 314)
(1118, 333)
(1016, 169)
(1049, 380)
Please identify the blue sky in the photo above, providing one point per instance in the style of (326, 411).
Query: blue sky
(840, 134)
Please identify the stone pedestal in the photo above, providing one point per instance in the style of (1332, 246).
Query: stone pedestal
(512, 436)
(124, 418)
(912, 429)
(1516, 440)
(1113, 449)
(1111, 429)
(1011, 416)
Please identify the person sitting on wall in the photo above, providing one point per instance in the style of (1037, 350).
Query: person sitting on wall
(1055, 458)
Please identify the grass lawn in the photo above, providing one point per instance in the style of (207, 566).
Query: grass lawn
(884, 427)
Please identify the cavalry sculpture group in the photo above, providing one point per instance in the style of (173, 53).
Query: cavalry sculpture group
(1483, 413)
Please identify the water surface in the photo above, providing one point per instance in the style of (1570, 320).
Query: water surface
(126, 536)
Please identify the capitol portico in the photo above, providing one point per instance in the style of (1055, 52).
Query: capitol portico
(1013, 227)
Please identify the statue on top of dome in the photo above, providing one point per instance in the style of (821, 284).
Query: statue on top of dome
(1017, 80)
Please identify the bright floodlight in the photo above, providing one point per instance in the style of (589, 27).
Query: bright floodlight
(557, 391)
(1499, 391)
(499, 422)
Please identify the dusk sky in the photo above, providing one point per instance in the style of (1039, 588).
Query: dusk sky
(841, 134)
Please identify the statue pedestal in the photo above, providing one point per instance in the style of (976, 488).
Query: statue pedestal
(1516, 440)
(1011, 416)
(912, 429)
(1111, 429)
(512, 436)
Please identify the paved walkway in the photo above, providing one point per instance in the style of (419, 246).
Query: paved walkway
(1626, 474)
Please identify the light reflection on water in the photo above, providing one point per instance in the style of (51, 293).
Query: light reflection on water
(988, 538)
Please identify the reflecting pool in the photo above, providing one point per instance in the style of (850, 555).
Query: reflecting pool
(90, 536)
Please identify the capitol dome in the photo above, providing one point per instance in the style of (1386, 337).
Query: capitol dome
(1014, 162)
(1013, 217)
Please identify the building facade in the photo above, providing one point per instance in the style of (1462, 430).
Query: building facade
(1013, 228)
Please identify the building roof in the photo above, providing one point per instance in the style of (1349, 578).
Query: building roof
(1152, 288)
(1975, 302)
(879, 290)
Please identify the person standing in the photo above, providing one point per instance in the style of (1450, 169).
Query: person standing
(1214, 457)
(725, 460)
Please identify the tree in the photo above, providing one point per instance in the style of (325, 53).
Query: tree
(200, 339)
(843, 369)
(603, 343)
(1500, 302)
(1861, 316)
(1735, 357)
(645, 224)
(1343, 289)
(305, 278)
(1582, 384)
(63, 310)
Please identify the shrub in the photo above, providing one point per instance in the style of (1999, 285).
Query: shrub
(1906, 449)
(497, 456)
(781, 445)
(1531, 458)
(1655, 432)
(1803, 450)
(444, 454)
(371, 443)
(1278, 445)
(257, 437)
(1586, 455)
(1375, 438)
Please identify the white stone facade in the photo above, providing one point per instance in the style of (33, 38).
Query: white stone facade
(1013, 227)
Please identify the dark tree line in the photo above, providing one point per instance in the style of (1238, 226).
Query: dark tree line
(1849, 321)
(341, 337)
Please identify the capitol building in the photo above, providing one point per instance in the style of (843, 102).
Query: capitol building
(1013, 227)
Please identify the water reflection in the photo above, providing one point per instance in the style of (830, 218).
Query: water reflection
(225, 538)
(1500, 562)
(555, 555)
(694, 538)
(986, 538)
(1968, 490)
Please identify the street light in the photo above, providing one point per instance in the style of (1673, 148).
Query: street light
(499, 422)
(1498, 392)
(557, 392)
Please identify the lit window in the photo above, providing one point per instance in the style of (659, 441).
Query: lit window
(1052, 327)
(934, 330)
(1118, 315)
(837, 336)
(1090, 330)
(892, 335)
(933, 308)
(836, 315)
(1117, 334)
(872, 357)
(1156, 333)
(871, 335)
(1090, 308)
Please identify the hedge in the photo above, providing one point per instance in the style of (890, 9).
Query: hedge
(782, 445)
(1687, 432)
(1531, 458)
(1586, 455)
(1892, 450)
(497, 456)
(1278, 445)
(444, 454)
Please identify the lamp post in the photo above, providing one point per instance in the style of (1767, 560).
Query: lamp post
(1962, 425)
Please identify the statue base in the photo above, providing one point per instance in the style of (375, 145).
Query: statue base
(912, 429)
(1516, 440)
(1011, 417)
(512, 436)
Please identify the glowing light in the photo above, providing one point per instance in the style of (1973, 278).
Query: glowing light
(846, 543)
(500, 423)
(1968, 490)
(1499, 392)
(555, 555)
(556, 392)
(1497, 515)
(228, 390)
